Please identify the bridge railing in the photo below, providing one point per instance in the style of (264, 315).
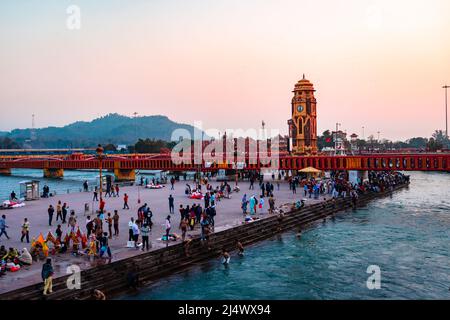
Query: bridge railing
(401, 162)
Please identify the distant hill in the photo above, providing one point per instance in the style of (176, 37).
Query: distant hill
(112, 128)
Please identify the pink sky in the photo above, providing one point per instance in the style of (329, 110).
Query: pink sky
(229, 63)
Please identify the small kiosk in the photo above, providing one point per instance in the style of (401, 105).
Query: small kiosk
(29, 190)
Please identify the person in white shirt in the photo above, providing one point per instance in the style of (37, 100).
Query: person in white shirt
(135, 230)
(130, 229)
(167, 226)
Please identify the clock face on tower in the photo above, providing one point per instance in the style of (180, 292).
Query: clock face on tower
(300, 108)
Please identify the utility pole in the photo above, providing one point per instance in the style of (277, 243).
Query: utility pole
(363, 132)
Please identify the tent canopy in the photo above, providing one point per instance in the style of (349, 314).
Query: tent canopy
(310, 170)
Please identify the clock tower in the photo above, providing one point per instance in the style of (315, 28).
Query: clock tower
(303, 124)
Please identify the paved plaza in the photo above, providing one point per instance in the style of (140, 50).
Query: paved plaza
(229, 214)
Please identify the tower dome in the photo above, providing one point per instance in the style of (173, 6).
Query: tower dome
(304, 85)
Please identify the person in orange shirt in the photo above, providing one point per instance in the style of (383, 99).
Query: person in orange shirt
(125, 202)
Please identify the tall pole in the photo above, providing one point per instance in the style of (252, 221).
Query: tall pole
(135, 152)
(99, 151)
(101, 180)
(446, 117)
(335, 138)
(363, 133)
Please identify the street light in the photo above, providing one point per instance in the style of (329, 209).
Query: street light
(100, 157)
(446, 121)
(135, 152)
(363, 132)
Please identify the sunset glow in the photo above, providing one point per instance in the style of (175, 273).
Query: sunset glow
(230, 64)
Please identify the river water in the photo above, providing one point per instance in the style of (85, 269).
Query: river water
(406, 236)
(72, 181)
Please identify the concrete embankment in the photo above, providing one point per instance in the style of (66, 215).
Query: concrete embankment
(112, 278)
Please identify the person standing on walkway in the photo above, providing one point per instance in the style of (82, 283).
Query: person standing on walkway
(104, 246)
(261, 205)
(64, 212)
(167, 226)
(252, 205)
(3, 227)
(172, 183)
(117, 190)
(47, 276)
(102, 204)
(125, 202)
(130, 229)
(145, 232)
(183, 228)
(89, 226)
(171, 204)
(109, 220)
(244, 204)
(271, 205)
(72, 221)
(59, 211)
(135, 230)
(95, 198)
(58, 233)
(116, 223)
(50, 211)
(294, 188)
(25, 230)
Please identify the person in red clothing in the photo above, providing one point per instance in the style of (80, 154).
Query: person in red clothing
(125, 202)
(102, 204)
(117, 190)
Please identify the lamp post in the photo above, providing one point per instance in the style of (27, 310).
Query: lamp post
(135, 153)
(446, 121)
(100, 156)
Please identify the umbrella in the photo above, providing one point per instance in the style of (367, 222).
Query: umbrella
(310, 170)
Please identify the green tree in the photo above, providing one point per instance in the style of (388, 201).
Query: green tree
(150, 146)
(434, 145)
(325, 140)
(417, 142)
(440, 137)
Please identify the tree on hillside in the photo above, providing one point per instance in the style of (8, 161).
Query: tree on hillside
(150, 146)
(110, 147)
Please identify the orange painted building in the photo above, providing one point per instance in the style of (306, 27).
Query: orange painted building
(303, 123)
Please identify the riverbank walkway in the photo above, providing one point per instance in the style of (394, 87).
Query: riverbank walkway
(229, 214)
